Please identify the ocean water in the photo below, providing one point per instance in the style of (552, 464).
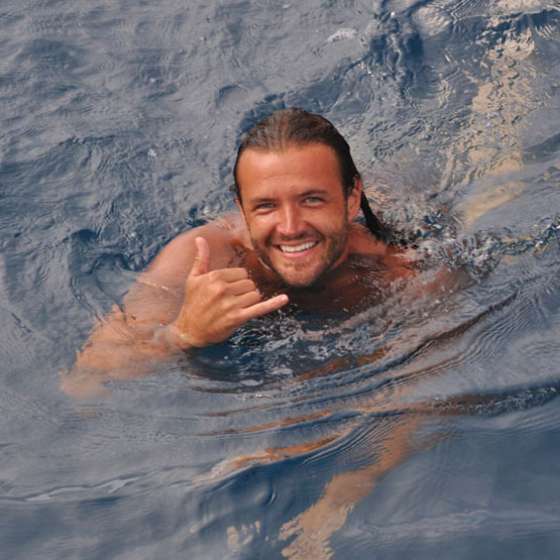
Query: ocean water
(419, 427)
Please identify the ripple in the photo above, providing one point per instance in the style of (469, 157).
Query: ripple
(119, 128)
(434, 528)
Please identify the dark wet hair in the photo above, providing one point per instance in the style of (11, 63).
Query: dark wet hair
(296, 127)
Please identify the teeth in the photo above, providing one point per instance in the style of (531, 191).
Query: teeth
(298, 248)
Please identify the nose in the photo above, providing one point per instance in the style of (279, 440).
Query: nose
(290, 223)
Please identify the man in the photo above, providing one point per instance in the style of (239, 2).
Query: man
(295, 240)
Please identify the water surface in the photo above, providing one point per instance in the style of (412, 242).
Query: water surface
(418, 428)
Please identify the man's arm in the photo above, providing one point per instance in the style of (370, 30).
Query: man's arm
(187, 298)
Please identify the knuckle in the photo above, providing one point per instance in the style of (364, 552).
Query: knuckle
(255, 296)
(246, 289)
(218, 288)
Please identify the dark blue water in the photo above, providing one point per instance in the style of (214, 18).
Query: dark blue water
(417, 428)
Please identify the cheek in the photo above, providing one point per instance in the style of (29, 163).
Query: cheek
(333, 224)
(260, 228)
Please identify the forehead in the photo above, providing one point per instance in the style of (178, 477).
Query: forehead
(312, 165)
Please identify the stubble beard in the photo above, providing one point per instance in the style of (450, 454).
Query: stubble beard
(336, 243)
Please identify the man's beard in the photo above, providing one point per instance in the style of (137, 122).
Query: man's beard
(335, 244)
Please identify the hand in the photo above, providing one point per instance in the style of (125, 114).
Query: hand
(217, 302)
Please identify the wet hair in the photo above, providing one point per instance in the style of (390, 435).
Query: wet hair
(296, 127)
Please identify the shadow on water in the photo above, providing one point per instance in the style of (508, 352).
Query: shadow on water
(418, 426)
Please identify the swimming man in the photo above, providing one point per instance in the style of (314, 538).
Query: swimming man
(294, 240)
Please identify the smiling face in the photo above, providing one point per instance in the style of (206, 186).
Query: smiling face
(295, 209)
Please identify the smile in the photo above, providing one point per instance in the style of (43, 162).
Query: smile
(298, 248)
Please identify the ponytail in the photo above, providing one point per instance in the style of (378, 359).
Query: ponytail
(372, 222)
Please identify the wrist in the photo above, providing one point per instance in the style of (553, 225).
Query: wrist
(176, 338)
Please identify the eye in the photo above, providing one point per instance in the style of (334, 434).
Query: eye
(262, 207)
(313, 200)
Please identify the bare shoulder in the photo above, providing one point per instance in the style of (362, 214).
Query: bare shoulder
(399, 262)
(174, 261)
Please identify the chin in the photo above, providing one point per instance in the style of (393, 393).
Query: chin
(299, 281)
(304, 276)
(297, 284)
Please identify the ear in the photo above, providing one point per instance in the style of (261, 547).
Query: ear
(239, 205)
(353, 200)
(246, 236)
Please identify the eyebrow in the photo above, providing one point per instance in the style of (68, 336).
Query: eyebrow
(315, 190)
(309, 192)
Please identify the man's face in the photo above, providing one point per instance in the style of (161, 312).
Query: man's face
(295, 209)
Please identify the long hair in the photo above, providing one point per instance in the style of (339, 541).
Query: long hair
(296, 127)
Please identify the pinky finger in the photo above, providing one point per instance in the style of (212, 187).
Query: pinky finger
(264, 307)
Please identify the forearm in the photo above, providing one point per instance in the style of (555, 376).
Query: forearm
(116, 357)
(120, 349)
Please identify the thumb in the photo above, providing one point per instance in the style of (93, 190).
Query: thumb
(202, 257)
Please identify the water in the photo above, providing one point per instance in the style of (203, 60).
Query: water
(418, 428)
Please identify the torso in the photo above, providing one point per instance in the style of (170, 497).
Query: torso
(364, 279)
